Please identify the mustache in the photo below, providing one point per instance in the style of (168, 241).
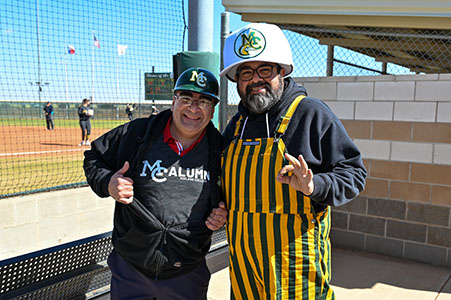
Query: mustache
(258, 84)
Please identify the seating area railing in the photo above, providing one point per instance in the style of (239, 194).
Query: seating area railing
(75, 270)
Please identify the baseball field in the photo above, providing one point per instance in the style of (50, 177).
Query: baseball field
(33, 158)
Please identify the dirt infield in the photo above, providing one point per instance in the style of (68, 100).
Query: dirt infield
(32, 158)
(32, 140)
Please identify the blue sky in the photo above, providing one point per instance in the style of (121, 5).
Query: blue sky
(152, 30)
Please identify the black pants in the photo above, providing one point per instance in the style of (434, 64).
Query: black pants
(127, 283)
(85, 126)
(49, 121)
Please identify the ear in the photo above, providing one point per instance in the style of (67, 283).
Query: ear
(282, 72)
(173, 102)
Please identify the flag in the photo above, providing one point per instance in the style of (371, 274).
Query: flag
(71, 49)
(121, 49)
(96, 42)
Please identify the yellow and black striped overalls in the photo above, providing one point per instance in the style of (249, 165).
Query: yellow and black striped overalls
(278, 247)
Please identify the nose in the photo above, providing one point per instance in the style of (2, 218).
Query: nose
(194, 105)
(255, 77)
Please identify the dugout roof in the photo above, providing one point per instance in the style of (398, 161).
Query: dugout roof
(411, 33)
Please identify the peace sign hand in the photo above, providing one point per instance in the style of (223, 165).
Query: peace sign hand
(301, 177)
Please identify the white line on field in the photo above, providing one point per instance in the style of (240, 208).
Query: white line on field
(41, 152)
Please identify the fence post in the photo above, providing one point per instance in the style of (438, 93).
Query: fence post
(384, 67)
(330, 60)
(223, 107)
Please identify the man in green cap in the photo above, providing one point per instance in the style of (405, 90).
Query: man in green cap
(163, 172)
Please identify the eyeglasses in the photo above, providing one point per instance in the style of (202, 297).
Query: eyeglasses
(202, 103)
(263, 71)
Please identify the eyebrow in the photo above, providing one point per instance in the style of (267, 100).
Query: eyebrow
(205, 98)
(201, 97)
(262, 65)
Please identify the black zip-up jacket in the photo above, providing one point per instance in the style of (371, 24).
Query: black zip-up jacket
(48, 110)
(158, 251)
(83, 113)
(316, 133)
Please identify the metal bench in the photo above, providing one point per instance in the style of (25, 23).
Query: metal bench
(75, 270)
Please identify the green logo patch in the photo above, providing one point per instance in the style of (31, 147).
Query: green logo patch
(249, 43)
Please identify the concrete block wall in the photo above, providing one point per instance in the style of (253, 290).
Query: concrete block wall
(34, 222)
(402, 125)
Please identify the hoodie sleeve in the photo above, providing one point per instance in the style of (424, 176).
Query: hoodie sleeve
(341, 176)
(101, 160)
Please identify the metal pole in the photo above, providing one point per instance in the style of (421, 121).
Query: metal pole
(139, 95)
(65, 63)
(223, 80)
(200, 28)
(384, 67)
(92, 67)
(117, 76)
(153, 100)
(39, 58)
(330, 61)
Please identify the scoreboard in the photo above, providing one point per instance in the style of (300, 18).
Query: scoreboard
(158, 86)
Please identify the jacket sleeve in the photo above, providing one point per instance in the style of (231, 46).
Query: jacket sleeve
(341, 175)
(216, 146)
(100, 162)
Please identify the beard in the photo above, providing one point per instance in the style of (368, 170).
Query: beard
(261, 103)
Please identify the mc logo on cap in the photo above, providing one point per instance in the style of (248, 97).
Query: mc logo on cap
(200, 78)
(256, 42)
(249, 43)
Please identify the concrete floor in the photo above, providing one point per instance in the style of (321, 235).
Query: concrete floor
(359, 275)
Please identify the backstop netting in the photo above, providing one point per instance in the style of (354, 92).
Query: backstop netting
(65, 51)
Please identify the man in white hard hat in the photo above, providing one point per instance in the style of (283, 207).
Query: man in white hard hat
(287, 159)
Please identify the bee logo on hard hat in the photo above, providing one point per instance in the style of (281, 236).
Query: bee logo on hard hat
(249, 43)
(200, 78)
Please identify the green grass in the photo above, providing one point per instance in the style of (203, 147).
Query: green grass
(65, 123)
(26, 174)
(21, 174)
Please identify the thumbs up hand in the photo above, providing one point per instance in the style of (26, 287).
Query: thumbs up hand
(120, 188)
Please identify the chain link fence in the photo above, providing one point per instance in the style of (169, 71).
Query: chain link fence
(61, 52)
(362, 51)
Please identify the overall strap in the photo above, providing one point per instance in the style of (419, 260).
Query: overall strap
(285, 119)
(237, 128)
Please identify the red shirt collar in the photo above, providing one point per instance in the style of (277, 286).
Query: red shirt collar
(174, 144)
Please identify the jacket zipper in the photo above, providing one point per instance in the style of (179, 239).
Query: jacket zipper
(160, 260)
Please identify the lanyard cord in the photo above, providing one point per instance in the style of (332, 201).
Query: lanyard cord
(267, 125)
(242, 129)
(245, 122)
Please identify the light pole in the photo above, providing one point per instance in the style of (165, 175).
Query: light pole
(38, 83)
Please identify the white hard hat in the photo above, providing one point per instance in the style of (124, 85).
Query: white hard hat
(256, 42)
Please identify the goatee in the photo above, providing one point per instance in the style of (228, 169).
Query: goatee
(261, 103)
